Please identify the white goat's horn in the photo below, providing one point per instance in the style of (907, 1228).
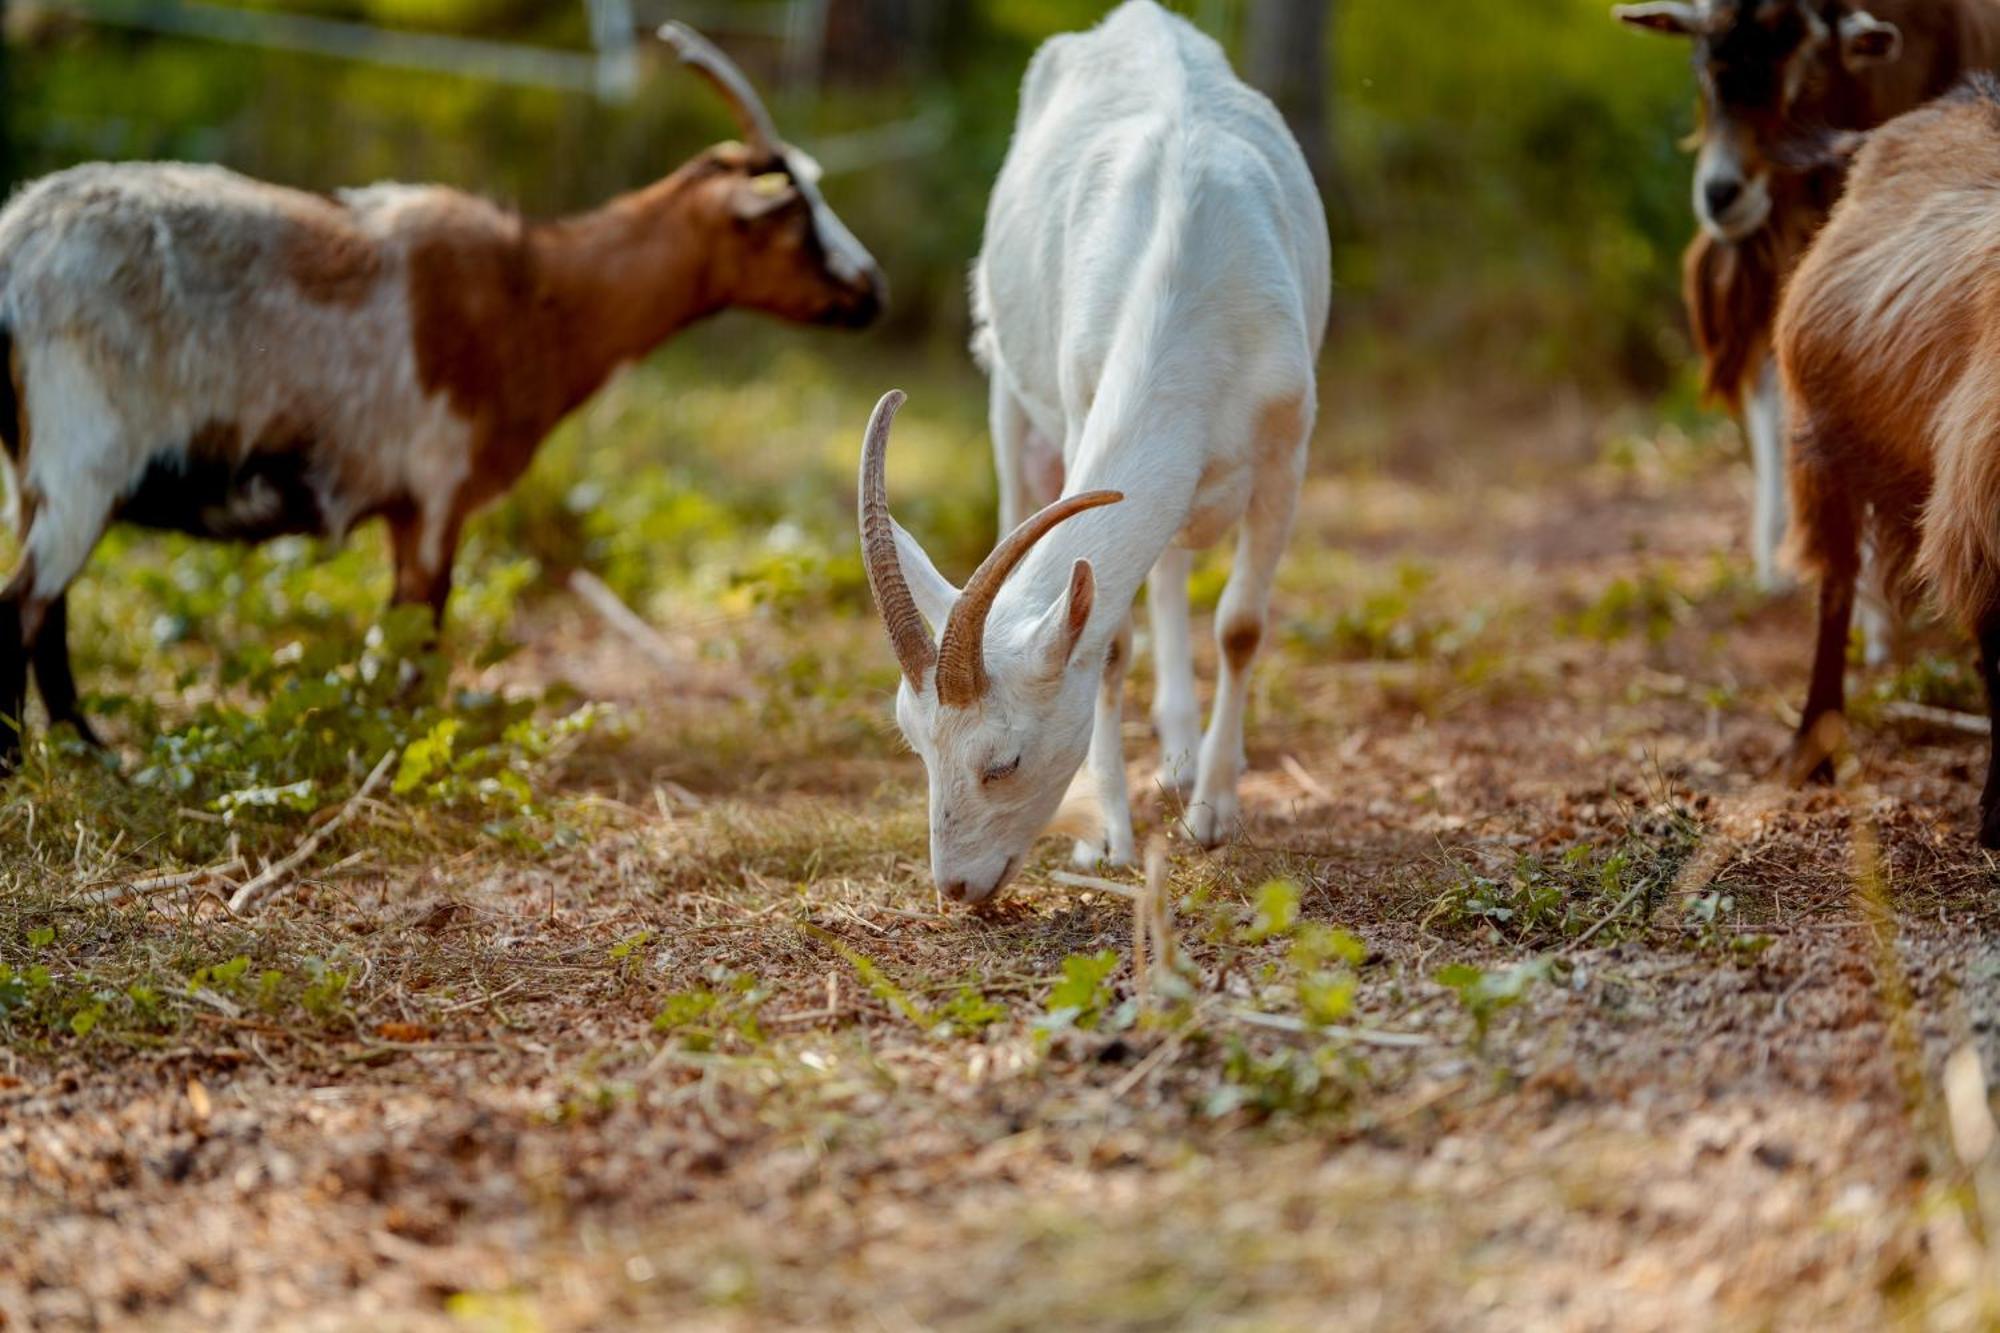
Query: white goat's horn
(908, 634)
(961, 672)
(702, 56)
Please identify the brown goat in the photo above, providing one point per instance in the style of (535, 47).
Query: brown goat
(1887, 337)
(194, 350)
(1779, 80)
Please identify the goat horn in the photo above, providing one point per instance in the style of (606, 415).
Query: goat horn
(908, 634)
(702, 56)
(961, 673)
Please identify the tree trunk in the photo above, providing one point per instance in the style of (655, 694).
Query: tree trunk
(1287, 58)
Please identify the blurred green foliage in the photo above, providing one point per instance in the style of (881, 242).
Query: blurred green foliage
(1508, 207)
(1509, 197)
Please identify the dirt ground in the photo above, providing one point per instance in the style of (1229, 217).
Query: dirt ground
(1632, 1038)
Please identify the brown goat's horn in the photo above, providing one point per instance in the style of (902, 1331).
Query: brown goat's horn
(961, 673)
(908, 634)
(702, 56)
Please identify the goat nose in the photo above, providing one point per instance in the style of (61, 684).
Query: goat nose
(1721, 195)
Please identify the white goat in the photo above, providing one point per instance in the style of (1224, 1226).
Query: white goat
(192, 349)
(1152, 294)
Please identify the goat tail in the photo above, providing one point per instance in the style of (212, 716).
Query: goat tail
(1960, 553)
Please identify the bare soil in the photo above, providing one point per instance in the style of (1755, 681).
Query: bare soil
(1721, 1104)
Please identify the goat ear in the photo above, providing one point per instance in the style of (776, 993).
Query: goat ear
(1671, 17)
(1061, 629)
(762, 196)
(933, 593)
(1867, 40)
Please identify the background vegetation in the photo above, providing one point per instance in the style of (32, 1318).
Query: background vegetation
(1508, 191)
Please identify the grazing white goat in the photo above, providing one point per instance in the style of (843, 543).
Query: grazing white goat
(1152, 294)
(191, 349)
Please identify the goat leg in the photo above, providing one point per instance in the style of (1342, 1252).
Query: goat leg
(1989, 669)
(1823, 725)
(53, 676)
(13, 679)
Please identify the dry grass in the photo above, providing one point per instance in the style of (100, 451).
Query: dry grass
(721, 1060)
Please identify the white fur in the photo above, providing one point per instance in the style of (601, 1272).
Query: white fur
(1152, 294)
(1764, 423)
(1720, 158)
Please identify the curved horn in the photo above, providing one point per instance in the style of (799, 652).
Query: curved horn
(908, 634)
(961, 673)
(702, 56)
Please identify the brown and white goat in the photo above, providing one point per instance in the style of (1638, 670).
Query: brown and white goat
(194, 350)
(1888, 337)
(1775, 78)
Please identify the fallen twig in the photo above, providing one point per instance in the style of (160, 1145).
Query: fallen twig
(1075, 881)
(1608, 917)
(140, 888)
(1902, 710)
(272, 875)
(652, 645)
(1312, 786)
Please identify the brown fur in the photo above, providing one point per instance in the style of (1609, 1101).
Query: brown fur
(1239, 644)
(1732, 289)
(327, 257)
(520, 323)
(1887, 338)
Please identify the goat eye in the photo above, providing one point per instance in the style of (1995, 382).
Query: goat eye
(999, 771)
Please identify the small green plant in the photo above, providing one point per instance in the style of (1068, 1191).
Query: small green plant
(1285, 1081)
(1708, 920)
(1389, 624)
(1555, 896)
(969, 1011)
(1650, 604)
(1083, 996)
(1276, 912)
(711, 1017)
(1938, 681)
(629, 954)
(1485, 995)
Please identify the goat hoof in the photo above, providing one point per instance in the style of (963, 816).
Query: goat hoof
(1177, 779)
(1809, 758)
(81, 726)
(1210, 823)
(1100, 856)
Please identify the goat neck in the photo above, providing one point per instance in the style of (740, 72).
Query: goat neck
(614, 283)
(1157, 474)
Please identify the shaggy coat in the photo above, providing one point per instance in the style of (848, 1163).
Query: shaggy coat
(1732, 287)
(1888, 338)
